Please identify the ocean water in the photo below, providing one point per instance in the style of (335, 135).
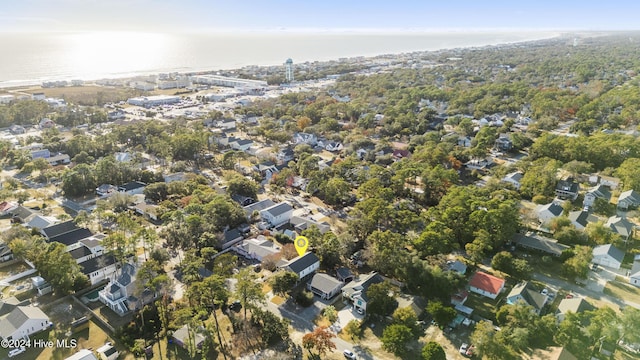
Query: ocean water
(32, 58)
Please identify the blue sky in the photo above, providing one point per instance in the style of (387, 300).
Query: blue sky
(336, 15)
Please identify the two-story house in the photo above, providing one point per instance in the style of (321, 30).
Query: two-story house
(356, 291)
(304, 266)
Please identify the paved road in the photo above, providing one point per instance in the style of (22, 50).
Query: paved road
(583, 291)
(303, 326)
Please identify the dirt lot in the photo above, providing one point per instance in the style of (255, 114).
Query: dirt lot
(86, 95)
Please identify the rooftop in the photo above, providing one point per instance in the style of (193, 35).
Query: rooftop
(302, 262)
(487, 282)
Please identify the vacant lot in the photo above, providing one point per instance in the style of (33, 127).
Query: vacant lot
(87, 95)
(623, 291)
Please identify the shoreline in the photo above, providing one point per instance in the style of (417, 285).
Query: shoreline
(16, 85)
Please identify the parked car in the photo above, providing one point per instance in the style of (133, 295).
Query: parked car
(17, 351)
(348, 354)
(463, 348)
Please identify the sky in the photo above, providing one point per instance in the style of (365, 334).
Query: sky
(326, 15)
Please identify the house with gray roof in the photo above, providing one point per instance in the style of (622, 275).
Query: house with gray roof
(567, 189)
(303, 223)
(98, 268)
(121, 294)
(304, 266)
(23, 321)
(182, 338)
(258, 206)
(575, 305)
(325, 286)
(532, 241)
(277, 214)
(256, 249)
(525, 292)
(634, 274)
(513, 179)
(597, 192)
(621, 226)
(580, 219)
(548, 212)
(608, 256)
(356, 291)
(628, 199)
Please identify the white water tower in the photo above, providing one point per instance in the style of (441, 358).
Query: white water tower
(288, 70)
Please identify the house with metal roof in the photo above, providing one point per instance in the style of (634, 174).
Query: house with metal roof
(580, 219)
(486, 284)
(525, 292)
(277, 214)
(628, 199)
(23, 321)
(575, 305)
(325, 286)
(304, 266)
(621, 226)
(548, 212)
(597, 192)
(608, 255)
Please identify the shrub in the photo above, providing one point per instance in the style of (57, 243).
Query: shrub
(304, 298)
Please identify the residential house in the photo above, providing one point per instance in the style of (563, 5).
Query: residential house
(179, 176)
(99, 268)
(83, 354)
(37, 221)
(610, 181)
(457, 266)
(17, 129)
(634, 274)
(5, 253)
(304, 266)
(6, 208)
(567, 189)
(459, 298)
(226, 124)
(23, 321)
(242, 200)
(116, 115)
(464, 141)
(121, 294)
(581, 218)
(325, 286)
(277, 214)
(108, 352)
(575, 305)
(303, 223)
(486, 284)
(628, 199)
(356, 290)
(503, 143)
(597, 192)
(231, 237)
(106, 190)
(525, 292)
(258, 207)
(241, 144)
(256, 249)
(344, 274)
(150, 211)
(123, 157)
(513, 179)
(46, 123)
(305, 138)
(548, 212)
(40, 154)
(182, 338)
(333, 146)
(532, 241)
(621, 226)
(72, 237)
(284, 155)
(266, 169)
(608, 255)
(58, 159)
(132, 188)
(479, 164)
(58, 229)
(20, 214)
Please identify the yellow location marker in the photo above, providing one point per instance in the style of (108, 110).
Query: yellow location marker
(301, 244)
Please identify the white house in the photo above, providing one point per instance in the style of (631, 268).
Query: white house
(598, 192)
(305, 138)
(356, 290)
(23, 321)
(548, 212)
(278, 214)
(99, 268)
(241, 144)
(108, 352)
(580, 219)
(304, 266)
(325, 286)
(525, 292)
(575, 305)
(333, 146)
(120, 294)
(608, 255)
(256, 249)
(486, 285)
(513, 179)
(634, 275)
(628, 199)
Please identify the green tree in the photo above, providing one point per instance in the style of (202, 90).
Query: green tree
(283, 282)
(395, 338)
(248, 290)
(442, 315)
(330, 313)
(239, 185)
(433, 351)
(629, 173)
(354, 329)
(406, 316)
(381, 302)
(335, 191)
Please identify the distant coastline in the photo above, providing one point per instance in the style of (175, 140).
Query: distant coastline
(128, 57)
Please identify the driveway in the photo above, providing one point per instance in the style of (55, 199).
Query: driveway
(347, 314)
